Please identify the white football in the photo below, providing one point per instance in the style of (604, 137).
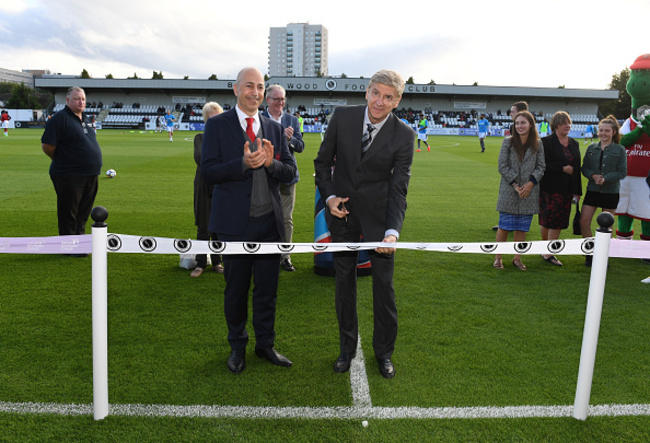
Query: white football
(111, 173)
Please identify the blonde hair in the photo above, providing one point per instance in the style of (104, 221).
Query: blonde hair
(210, 108)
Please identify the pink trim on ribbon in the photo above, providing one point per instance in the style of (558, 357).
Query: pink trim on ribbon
(67, 244)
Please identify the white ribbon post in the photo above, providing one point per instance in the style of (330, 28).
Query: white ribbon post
(102, 243)
(592, 317)
(100, 316)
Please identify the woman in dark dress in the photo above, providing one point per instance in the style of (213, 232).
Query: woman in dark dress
(562, 180)
(203, 199)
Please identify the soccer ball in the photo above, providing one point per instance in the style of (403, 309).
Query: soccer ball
(111, 173)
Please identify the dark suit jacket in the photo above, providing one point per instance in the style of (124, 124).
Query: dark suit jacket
(222, 164)
(296, 144)
(555, 180)
(378, 183)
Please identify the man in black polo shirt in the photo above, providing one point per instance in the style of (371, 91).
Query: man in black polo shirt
(69, 140)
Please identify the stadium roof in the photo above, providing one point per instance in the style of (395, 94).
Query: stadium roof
(330, 86)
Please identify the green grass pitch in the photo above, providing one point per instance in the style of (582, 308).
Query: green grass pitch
(470, 335)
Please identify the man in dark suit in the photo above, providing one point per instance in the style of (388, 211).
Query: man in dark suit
(246, 156)
(276, 99)
(371, 151)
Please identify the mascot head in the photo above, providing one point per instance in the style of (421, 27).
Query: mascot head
(638, 86)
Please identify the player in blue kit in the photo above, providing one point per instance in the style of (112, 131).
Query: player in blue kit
(483, 126)
(170, 124)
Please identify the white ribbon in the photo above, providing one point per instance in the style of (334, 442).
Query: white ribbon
(134, 244)
(157, 245)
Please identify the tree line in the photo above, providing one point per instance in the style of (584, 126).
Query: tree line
(19, 96)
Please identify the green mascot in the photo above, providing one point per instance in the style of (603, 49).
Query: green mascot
(634, 202)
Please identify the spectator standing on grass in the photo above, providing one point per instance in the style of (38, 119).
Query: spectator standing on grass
(323, 129)
(203, 200)
(561, 183)
(483, 126)
(70, 141)
(276, 98)
(516, 108)
(370, 151)
(246, 155)
(521, 165)
(605, 165)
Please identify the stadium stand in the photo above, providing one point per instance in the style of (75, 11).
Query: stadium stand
(129, 114)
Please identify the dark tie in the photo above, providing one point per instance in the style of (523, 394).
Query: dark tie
(366, 139)
(249, 128)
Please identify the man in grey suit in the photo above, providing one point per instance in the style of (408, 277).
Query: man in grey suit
(276, 99)
(371, 152)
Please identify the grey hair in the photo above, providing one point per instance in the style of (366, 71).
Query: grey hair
(74, 89)
(274, 87)
(389, 78)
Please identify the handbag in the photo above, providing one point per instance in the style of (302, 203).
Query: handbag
(576, 220)
(187, 261)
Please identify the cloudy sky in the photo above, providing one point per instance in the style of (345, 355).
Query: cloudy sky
(578, 44)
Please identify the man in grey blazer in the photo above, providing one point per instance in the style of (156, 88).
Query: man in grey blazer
(276, 99)
(371, 152)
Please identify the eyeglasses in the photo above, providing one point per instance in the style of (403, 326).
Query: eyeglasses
(276, 99)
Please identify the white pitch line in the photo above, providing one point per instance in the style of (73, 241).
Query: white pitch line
(349, 413)
(359, 380)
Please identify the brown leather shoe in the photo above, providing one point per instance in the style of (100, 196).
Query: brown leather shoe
(197, 272)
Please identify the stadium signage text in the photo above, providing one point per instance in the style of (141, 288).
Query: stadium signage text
(419, 88)
(188, 99)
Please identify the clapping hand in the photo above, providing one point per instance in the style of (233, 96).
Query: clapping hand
(263, 155)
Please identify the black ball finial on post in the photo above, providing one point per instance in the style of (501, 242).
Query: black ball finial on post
(99, 214)
(605, 221)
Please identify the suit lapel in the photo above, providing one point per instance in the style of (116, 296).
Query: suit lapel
(237, 132)
(356, 128)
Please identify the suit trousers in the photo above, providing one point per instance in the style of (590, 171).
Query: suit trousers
(288, 199)
(383, 294)
(75, 196)
(264, 270)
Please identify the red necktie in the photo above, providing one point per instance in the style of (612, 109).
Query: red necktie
(249, 128)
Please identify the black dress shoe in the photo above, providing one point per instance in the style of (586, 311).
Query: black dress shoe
(237, 360)
(342, 364)
(287, 265)
(273, 356)
(386, 368)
